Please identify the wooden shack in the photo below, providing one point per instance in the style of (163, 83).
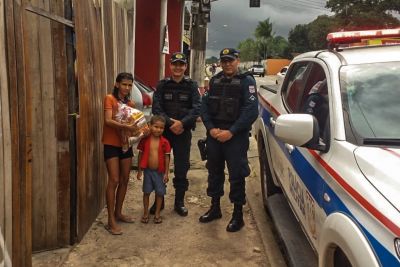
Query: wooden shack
(58, 60)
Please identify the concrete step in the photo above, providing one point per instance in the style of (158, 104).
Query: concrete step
(298, 251)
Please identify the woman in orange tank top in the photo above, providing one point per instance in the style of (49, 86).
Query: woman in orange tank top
(117, 161)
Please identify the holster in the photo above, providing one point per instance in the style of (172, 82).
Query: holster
(202, 148)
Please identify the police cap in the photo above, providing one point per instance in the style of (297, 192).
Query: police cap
(178, 56)
(229, 53)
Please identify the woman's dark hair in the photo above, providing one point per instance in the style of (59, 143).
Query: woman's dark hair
(122, 76)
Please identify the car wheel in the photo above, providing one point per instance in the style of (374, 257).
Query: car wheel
(268, 187)
(340, 259)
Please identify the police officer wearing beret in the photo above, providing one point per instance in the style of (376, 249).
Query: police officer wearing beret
(177, 98)
(228, 110)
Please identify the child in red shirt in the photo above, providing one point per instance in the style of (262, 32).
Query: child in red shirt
(154, 158)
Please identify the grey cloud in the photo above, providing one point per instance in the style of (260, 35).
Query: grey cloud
(241, 20)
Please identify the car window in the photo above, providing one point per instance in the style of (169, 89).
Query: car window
(315, 100)
(258, 66)
(370, 98)
(293, 88)
(307, 92)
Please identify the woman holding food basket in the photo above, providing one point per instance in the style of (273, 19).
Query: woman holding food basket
(117, 154)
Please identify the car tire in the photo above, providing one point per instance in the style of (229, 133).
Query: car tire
(268, 187)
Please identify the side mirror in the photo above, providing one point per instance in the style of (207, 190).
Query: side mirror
(299, 130)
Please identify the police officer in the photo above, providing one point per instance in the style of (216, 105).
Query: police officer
(228, 110)
(317, 104)
(177, 98)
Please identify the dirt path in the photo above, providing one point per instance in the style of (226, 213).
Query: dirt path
(178, 241)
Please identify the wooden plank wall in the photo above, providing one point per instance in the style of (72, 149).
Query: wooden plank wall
(38, 136)
(21, 157)
(46, 74)
(101, 38)
(5, 155)
(91, 86)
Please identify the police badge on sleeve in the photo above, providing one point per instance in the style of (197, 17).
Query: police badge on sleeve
(252, 89)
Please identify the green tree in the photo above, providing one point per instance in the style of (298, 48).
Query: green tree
(248, 50)
(277, 47)
(298, 39)
(264, 29)
(319, 29)
(354, 7)
(357, 15)
(211, 60)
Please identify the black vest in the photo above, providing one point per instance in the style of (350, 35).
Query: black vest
(225, 101)
(177, 99)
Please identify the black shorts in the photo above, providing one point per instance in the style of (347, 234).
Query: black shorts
(115, 151)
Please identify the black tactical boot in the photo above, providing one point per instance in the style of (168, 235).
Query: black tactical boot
(236, 222)
(179, 206)
(153, 207)
(213, 213)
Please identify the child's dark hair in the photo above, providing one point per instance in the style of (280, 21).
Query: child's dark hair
(156, 118)
(122, 76)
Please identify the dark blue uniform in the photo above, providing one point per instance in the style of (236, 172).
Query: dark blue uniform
(180, 101)
(230, 104)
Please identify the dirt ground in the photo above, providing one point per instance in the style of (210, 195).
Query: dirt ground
(178, 241)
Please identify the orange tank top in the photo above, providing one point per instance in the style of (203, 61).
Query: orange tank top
(111, 135)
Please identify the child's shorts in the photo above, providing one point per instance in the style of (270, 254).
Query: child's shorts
(153, 181)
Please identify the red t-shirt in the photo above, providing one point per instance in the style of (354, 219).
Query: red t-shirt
(111, 135)
(163, 148)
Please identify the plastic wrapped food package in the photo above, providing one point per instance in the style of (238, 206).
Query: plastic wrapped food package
(129, 115)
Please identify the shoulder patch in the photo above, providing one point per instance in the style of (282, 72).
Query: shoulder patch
(252, 89)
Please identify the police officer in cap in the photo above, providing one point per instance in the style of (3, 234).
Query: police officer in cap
(228, 110)
(177, 98)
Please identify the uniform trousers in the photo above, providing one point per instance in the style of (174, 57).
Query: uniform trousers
(234, 153)
(181, 149)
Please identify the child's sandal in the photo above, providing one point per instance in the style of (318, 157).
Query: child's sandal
(145, 219)
(157, 220)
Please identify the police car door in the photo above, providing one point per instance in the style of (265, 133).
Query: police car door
(300, 171)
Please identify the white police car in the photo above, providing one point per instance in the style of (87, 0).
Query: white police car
(329, 139)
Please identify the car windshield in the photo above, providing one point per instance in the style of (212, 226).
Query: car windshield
(370, 95)
(258, 66)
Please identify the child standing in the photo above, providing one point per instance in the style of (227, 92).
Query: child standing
(154, 158)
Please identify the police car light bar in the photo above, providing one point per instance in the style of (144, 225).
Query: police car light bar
(336, 38)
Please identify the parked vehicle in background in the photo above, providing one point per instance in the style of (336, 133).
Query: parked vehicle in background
(257, 70)
(329, 139)
(281, 75)
(142, 95)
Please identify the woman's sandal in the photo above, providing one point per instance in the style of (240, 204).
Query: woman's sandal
(111, 231)
(157, 220)
(145, 219)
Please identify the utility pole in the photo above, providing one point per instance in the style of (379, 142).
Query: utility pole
(201, 13)
(163, 24)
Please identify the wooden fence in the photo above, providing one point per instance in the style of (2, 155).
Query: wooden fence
(5, 154)
(62, 58)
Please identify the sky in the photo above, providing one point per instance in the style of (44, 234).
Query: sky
(233, 21)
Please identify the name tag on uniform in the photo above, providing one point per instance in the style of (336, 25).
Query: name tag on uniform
(183, 97)
(168, 96)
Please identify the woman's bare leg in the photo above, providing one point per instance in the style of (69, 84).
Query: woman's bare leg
(113, 180)
(125, 168)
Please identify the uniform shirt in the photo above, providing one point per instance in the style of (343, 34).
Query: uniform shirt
(163, 148)
(111, 135)
(248, 111)
(189, 120)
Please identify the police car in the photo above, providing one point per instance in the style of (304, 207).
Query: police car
(329, 139)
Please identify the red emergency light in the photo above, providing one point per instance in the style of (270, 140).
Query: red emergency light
(336, 38)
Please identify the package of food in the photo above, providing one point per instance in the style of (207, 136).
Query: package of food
(129, 115)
